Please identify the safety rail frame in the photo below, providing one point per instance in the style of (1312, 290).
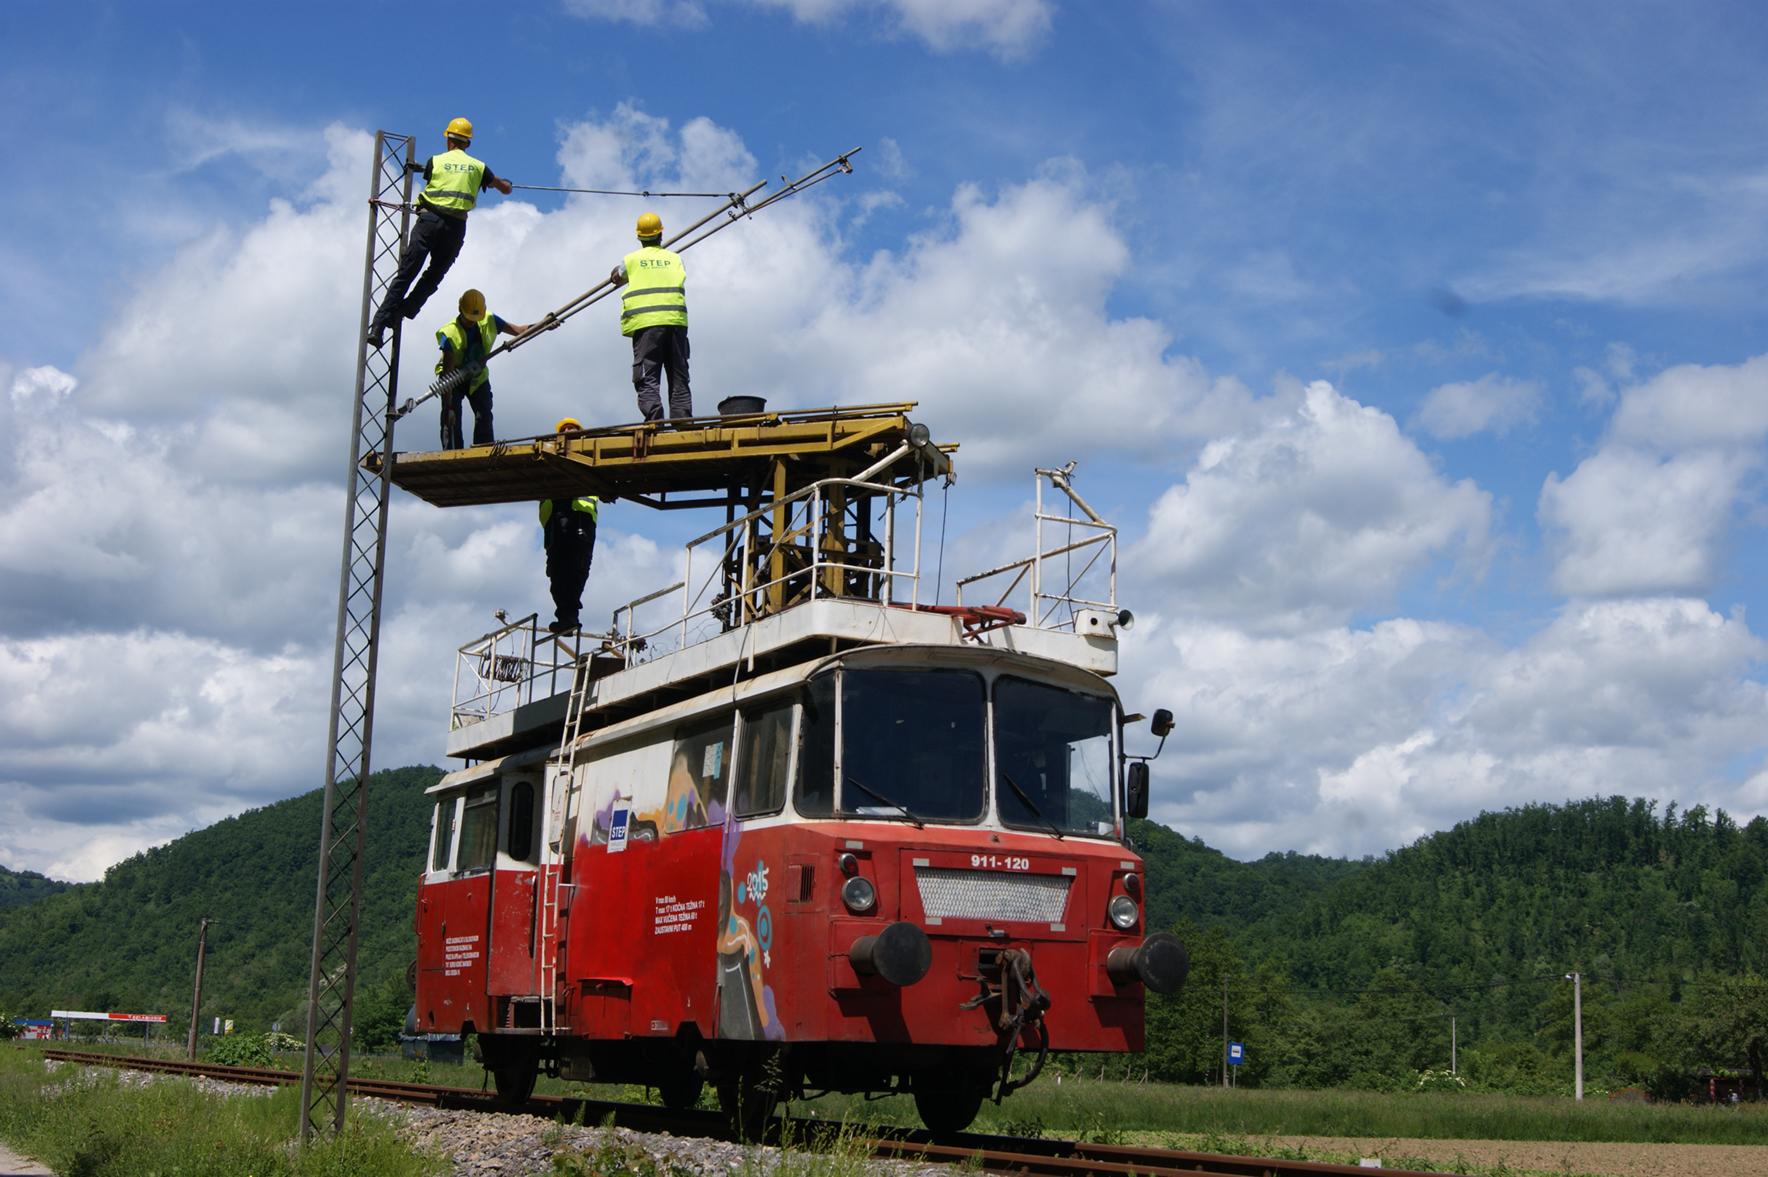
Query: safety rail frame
(740, 549)
(503, 667)
(1031, 569)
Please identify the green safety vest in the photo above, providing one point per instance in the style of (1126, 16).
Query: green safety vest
(656, 290)
(455, 179)
(454, 335)
(589, 506)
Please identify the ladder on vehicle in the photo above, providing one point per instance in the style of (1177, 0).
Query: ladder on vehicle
(559, 784)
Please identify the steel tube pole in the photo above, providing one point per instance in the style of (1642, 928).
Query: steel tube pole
(196, 997)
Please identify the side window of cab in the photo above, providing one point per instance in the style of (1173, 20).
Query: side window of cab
(764, 758)
(442, 832)
(699, 773)
(478, 831)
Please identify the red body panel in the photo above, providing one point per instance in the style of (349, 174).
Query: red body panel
(742, 934)
(453, 920)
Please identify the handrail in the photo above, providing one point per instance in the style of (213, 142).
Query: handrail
(804, 530)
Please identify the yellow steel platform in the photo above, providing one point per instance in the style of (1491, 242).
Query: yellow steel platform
(690, 462)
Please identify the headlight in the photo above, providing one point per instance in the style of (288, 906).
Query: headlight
(859, 895)
(1123, 912)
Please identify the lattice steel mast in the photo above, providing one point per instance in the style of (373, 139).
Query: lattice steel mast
(332, 983)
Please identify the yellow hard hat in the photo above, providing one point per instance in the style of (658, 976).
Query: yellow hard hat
(460, 129)
(472, 306)
(567, 423)
(650, 225)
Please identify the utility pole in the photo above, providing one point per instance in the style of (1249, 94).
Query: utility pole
(1452, 1044)
(1577, 980)
(1224, 1029)
(196, 998)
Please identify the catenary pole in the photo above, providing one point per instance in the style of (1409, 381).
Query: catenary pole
(1224, 1029)
(1577, 980)
(196, 997)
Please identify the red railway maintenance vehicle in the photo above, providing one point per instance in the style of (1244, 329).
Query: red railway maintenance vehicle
(788, 827)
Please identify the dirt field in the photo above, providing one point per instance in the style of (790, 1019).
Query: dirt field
(1608, 1160)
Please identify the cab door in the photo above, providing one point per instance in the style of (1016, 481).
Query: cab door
(454, 909)
(515, 899)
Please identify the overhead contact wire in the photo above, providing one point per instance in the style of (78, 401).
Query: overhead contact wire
(735, 208)
(614, 191)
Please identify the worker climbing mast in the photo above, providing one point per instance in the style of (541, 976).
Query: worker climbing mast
(391, 255)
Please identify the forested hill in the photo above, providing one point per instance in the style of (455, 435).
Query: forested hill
(1341, 974)
(18, 887)
(1481, 921)
(129, 941)
(1611, 887)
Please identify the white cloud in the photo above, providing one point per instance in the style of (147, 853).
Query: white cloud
(1352, 740)
(1648, 511)
(1631, 522)
(1009, 29)
(1493, 402)
(168, 514)
(42, 388)
(690, 14)
(1319, 509)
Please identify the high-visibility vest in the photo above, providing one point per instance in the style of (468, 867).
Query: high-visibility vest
(589, 506)
(454, 335)
(656, 293)
(455, 178)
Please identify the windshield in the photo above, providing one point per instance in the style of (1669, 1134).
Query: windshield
(1053, 758)
(911, 746)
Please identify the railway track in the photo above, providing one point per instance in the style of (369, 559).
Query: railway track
(995, 1154)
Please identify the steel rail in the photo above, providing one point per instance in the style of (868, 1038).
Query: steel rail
(995, 1154)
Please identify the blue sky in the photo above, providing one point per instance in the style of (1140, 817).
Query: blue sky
(1417, 348)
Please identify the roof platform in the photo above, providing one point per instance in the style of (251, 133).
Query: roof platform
(687, 462)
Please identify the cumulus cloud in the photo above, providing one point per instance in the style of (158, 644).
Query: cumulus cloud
(1320, 508)
(1010, 29)
(1348, 740)
(1648, 511)
(689, 14)
(1492, 403)
(168, 515)
(40, 389)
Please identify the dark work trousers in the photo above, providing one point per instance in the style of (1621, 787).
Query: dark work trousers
(570, 546)
(654, 349)
(435, 238)
(480, 399)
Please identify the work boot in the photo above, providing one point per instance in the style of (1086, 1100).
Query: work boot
(377, 337)
(563, 626)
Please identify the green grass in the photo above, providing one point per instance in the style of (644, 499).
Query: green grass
(87, 1124)
(1108, 1110)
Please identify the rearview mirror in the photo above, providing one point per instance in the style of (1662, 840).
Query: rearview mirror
(1135, 789)
(1162, 723)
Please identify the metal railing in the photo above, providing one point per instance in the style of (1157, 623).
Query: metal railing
(800, 557)
(502, 670)
(1049, 606)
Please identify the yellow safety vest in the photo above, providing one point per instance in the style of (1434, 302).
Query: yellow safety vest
(454, 335)
(656, 292)
(455, 178)
(589, 506)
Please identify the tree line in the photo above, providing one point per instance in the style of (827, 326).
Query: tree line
(1335, 972)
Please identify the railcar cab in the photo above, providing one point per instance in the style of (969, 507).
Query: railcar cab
(869, 860)
(478, 910)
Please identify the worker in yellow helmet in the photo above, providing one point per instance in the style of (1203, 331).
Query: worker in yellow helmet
(465, 341)
(568, 527)
(654, 313)
(452, 183)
